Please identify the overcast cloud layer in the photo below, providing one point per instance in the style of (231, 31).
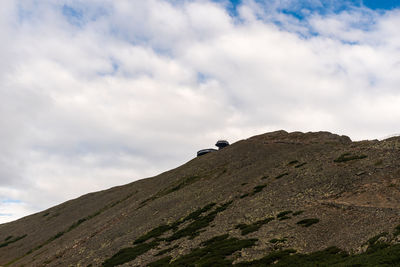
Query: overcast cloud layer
(101, 93)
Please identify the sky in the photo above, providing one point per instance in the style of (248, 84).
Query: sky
(101, 93)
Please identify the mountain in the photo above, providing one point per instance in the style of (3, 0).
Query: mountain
(278, 198)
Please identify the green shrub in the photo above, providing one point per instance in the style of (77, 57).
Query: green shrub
(10, 240)
(200, 222)
(307, 222)
(213, 253)
(297, 212)
(281, 175)
(397, 230)
(259, 188)
(244, 195)
(283, 213)
(195, 214)
(348, 156)
(293, 162)
(300, 165)
(162, 252)
(250, 228)
(373, 240)
(129, 254)
(161, 262)
(156, 232)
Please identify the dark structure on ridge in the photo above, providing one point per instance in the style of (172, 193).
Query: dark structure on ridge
(220, 144)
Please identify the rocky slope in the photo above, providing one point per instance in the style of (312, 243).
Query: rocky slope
(265, 198)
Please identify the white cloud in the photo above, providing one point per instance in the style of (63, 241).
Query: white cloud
(122, 90)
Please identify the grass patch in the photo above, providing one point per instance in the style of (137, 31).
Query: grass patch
(195, 214)
(284, 218)
(10, 240)
(281, 175)
(250, 228)
(373, 240)
(264, 177)
(397, 230)
(378, 162)
(156, 232)
(161, 262)
(193, 229)
(259, 188)
(164, 251)
(297, 212)
(186, 181)
(300, 165)
(332, 256)
(283, 213)
(348, 157)
(308, 222)
(129, 254)
(244, 195)
(70, 228)
(213, 253)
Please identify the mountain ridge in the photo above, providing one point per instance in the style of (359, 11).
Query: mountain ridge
(347, 191)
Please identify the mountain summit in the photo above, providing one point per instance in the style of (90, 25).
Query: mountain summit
(276, 199)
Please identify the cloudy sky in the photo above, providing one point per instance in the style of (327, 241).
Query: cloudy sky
(100, 93)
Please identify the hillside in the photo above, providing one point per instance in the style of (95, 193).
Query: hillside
(271, 198)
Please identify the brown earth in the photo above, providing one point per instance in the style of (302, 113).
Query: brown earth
(354, 200)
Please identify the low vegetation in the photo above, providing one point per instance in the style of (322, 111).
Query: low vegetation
(253, 227)
(348, 157)
(213, 252)
(129, 254)
(332, 256)
(283, 213)
(10, 240)
(308, 222)
(258, 188)
(297, 212)
(164, 251)
(397, 230)
(281, 175)
(199, 220)
(300, 165)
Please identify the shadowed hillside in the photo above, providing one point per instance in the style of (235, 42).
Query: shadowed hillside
(278, 198)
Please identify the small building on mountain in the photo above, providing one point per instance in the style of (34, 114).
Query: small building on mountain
(205, 151)
(220, 144)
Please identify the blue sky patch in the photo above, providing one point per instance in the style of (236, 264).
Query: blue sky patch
(8, 201)
(73, 15)
(301, 8)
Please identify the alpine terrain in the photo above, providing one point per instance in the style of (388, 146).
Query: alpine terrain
(279, 199)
